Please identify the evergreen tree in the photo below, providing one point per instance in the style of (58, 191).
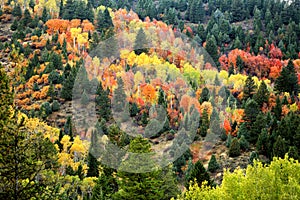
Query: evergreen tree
(204, 95)
(93, 164)
(69, 10)
(103, 104)
(279, 147)
(27, 18)
(262, 95)
(262, 144)
(84, 98)
(249, 88)
(244, 144)
(104, 21)
(45, 15)
(17, 12)
(204, 123)
(106, 185)
(278, 108)
(68, 85)
(145, 185)
(200, 174)
(68, 128)
(234, 149)
(287, 80)
(213, 165)
(141, 43)
(212, 48)
(23, 154)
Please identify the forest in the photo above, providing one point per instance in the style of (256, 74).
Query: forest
(145, 99)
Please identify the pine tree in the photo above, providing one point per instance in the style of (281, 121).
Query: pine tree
(213, 165)
(278, 109)
(262, 95)
(200, 174)
(249, 88)
(262, 145)
(93, 164)
(17, 12)
(23, 154)
(143, 184)
(103, 104)
(234, 149)
(212, 49)
(27, 18)
(106, 185)
(141, 43)
(279, 147)
(68, 128)
(287, 80)
(204, 123)
(204, 95)
(69, 10)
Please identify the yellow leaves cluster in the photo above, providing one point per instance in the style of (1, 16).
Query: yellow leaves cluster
(73, 153)
(35, 126)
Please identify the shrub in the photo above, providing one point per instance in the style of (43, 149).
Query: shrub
(55, 106)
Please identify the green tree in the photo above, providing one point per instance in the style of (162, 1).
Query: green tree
(24, 156)
(106, 185)
(199, 173)
(278, 108)
(93, 164)
(212, 48)
(262, 95)
(287, 80)
(279, 147)
(204, 95)
(141, 43)
(234, 149)
(68, 128)
(103, 104)
(142, 185)
(249, 88)
(204, 123)
(213, 165)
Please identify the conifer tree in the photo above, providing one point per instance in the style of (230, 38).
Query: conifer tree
(249, 88)
(103, 104)
(234, 149)
(145, 185)
(200, 174)
(141, 43)
(262, 95)
(213, 165)
(204, 95)
(212, 48)
(287, 80)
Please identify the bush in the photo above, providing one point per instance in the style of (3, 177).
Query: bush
(253, 156)
(234, 149)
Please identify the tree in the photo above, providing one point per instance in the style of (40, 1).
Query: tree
(204, 95)
(25, 155)
(17, 12)
(249, 88)
(106, 185)
(103, 104)
(93, 164)
(278, 108)
(145, 185)
(68, 84)
(274, 181)
(204, 123)
(213, 165)
(212, 49)
(250, 112)
(200, 174)
(279, 147)
(69, 10)
(262, 95)
(263, 143)
(141, 43)
(104, 21)
(234, 149)
(68, 128)
(287, 80)
(27, 18)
